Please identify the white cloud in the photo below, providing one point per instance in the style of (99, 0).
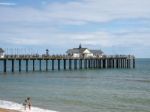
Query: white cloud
(6, 4)
(35, 36)
(80, 12)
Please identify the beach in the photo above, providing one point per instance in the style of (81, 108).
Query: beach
(7, 110)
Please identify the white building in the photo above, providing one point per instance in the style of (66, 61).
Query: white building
(84, 52)
(1, 53)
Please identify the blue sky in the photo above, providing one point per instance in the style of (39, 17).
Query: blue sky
(115, 26)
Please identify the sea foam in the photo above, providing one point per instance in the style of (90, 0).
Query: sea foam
(19, 107)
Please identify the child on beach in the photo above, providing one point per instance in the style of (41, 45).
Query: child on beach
(29, 103)
(25, 104)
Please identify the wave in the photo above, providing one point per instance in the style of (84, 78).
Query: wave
(19, 107)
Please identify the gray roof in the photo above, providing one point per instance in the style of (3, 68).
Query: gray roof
(81, 50)
(97, 52)
(76, 50)
(1, 50)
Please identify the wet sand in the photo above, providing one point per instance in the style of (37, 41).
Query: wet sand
(7, 110)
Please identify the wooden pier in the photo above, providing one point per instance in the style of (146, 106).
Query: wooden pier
(66, 62)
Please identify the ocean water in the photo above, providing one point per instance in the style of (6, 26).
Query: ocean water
(92, 90)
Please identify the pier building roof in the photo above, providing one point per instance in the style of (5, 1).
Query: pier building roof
(76, 50)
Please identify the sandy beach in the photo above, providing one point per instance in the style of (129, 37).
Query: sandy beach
(7, 110)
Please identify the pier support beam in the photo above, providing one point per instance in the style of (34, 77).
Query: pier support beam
(128, 63)
(108, 63)
(19, 65)
(46, 65)
(103, 63)
(64, 64)
(113, 63)
(70, 64)
(99, 63)
(33, 65)
(117, 63)
(40, 65)
(80, 63)
(121, 63)
(58, 64)
(92, 63)
(85, 63)
(26, 65)
(5, 65)
(125, 63)
(53, 64)
(89, 63)
(12, 65)
(75, 64)
(133, 62)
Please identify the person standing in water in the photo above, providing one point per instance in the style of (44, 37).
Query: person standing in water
(25, 104)
(29, 103)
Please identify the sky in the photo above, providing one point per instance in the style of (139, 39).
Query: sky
(114, 26)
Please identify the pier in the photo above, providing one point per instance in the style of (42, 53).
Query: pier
(64, 62)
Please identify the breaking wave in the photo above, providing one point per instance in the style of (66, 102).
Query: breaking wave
(19, 107)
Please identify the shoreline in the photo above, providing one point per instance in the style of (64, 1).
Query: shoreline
(7, 110)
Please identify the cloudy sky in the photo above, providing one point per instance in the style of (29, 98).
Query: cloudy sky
(115, 26)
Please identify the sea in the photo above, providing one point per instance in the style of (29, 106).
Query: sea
(90, 90)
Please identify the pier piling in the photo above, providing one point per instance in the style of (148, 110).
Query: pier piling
(133, 62)
(75, 64)
(33, 65)
(58, 64)
(5, 65)
(70, 64)
(64, 64)
(27, 65)
(53, 64)
(12, 65)
(19, 65)
(46, 65)
(40, 65)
